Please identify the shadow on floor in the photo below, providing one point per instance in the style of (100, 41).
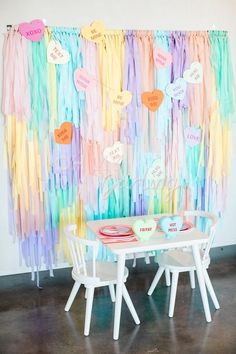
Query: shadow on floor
(33, 321)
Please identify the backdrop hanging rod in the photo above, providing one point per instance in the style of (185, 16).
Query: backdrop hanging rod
(209, 30)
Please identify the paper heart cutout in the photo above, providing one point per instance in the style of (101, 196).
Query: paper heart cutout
(120, 99)
(63, 135)
(192, 136)
(155, 171)
(171, 225)
(144, 229)
(161, 58)
(194, 75)
(56, 54)
(177, 89)
(114, 154)
(152, 100)
(33, 30)
(94, 32)
(83, 80)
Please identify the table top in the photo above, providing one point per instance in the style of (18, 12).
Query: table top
(157, 241)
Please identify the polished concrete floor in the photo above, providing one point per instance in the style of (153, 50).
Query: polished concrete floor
(33, 321)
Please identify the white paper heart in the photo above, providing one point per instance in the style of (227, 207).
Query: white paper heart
(155, 171)
(56, 54)
(194, 75)
(192, 136)
(177, 89)
(114, 154)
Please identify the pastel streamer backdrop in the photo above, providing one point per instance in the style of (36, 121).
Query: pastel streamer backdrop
(53, 184)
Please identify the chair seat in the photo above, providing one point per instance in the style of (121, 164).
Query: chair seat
(106, 272)
(179, 260)
(93, 274)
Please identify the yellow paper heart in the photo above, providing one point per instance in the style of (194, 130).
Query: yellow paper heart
(94, 32)
(120, 99)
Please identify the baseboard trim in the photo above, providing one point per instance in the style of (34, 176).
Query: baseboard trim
(223, 252)
(216, 253)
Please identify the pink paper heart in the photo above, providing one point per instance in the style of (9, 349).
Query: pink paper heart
(161, 58)
(33, 30)
(192, 136)
(83, 80)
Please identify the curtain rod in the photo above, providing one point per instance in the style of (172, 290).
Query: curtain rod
(209, 30)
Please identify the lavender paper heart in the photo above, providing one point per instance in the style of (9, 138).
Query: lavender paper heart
(192, 136)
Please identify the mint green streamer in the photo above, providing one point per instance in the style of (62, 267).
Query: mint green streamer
(222, 64)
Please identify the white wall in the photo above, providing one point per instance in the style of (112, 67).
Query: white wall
(123, 14)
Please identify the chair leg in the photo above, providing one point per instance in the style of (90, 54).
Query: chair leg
(89, 305)
(167, 275)
(130, 305)
(112, 292)
(86, 293)
(72, 296)
(156, 280)
(174, 284)
(210, 289)
(192, 279)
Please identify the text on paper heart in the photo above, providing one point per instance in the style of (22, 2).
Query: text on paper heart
(83, 80)
(192, 136)
(33, 30)
(152, 100)
(177, 89)
(171, 225)
(144, 229)
(94, 32)
(161, 58)
(56, 54)
(194, 75)
(121, 99)
(114, 154)
(156, 170)
(63, 135)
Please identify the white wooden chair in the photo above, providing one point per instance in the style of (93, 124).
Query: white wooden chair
(179, 261)
(92, 274)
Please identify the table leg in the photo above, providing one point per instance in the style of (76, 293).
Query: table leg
(119, 286)
(201, 281)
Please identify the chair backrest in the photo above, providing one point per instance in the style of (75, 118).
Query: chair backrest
(210, 222)
(79, 249)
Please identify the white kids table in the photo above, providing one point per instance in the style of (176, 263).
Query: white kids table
(191, 237)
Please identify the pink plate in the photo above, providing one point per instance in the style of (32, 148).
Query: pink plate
(116, 230)
(187, 225)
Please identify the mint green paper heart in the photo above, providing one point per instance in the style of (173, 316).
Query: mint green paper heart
(144, 229)
(171, 225)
